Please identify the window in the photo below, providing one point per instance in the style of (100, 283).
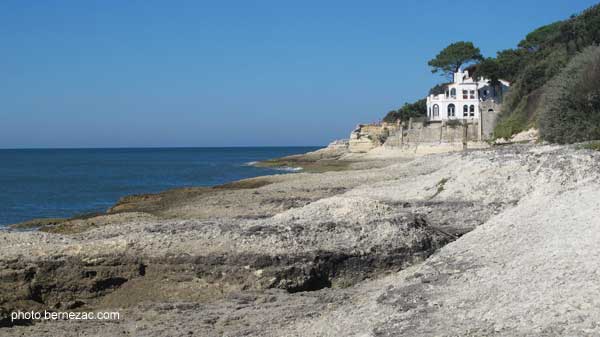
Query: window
(446, 93)
(451, 109)
(472, 111)
(453, 93)
(429, 113)
(465, 94)
(465, 111)
(436, 110)
(472, 94)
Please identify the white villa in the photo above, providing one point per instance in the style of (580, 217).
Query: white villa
(463, 99)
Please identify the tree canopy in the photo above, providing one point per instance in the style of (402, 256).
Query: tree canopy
(539, 58)
(408, 110)
(439, 89)
(451, 58)
(489, 68)
(541, 36)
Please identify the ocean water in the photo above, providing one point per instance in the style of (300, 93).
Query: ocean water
(42, 183)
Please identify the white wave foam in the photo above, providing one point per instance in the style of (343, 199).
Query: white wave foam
(288, 169)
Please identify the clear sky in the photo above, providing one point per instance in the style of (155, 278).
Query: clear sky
(231, 73)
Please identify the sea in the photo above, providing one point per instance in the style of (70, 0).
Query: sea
(59, 183)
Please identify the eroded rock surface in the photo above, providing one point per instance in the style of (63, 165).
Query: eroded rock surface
(345, 260)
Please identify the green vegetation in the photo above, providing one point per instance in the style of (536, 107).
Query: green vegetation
(37, 223)
(69, 227)
(311, 166)
(440, 187)
(454, 123)
(512, 124)
(244, 184)
(490, 68)
(551, 86)
(541, 56)
(569, 110)
(595, 145)
(383, 136)
(438, 89)
(408, 110)
(449, 60)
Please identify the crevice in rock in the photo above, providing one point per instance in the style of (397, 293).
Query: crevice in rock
(7, 322)
(72, 281)
(108, 283)
(317, 280)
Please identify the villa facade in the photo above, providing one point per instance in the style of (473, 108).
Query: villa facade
(463, 98)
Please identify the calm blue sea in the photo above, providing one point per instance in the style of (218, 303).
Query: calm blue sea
(67, 182)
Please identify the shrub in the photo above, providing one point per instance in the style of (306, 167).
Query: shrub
(539, 58)
(595, 145)
(439, 89)
(383, 136)
(454, 123)
(408, 110)
(521, 117)
(510, 125)
(569, 110)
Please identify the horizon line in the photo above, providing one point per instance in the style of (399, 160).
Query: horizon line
(155, 147)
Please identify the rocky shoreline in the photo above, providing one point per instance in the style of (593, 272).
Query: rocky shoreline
(382, 243)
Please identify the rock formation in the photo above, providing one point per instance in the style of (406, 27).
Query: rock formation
(496, 242)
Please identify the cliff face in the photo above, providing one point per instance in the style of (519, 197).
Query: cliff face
(369, 136)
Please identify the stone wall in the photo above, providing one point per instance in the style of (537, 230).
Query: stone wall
(431, 133)
(489, 115)
(435, 133)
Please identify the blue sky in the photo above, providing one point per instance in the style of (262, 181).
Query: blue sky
(230, 73)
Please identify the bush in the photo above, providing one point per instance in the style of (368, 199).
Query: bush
(454, 123)
(595, 145)
(510, 125)
(408, 110)
(521, 117)
(383, 136)
(439, 89)
(537, 60)
(569, 110)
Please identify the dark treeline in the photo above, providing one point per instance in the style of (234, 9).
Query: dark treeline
(408, 110)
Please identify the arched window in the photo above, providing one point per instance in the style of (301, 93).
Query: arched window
(453, 93)
(491, 110)
(472, 110)
(465, 111)
(436, 110)
(451, 110)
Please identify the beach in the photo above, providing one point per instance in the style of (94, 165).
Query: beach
(383, 243)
